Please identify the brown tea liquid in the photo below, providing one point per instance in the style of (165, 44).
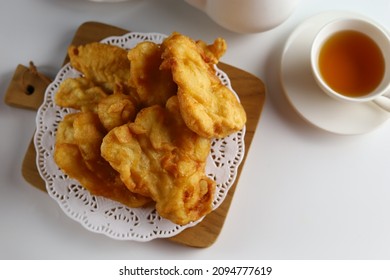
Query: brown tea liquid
(351, 63)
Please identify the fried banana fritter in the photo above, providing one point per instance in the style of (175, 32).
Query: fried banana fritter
(158, 156)
(105, 65)
(153, 85)
(208, 107)
(75, 154)
(80, 94)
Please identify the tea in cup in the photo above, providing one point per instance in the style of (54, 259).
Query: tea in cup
(350, 61)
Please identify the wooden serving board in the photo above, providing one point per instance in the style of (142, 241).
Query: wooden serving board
(250, 89)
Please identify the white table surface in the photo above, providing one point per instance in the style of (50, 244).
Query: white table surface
(303, 194)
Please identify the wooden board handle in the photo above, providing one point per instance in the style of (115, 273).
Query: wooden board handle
(27, 88)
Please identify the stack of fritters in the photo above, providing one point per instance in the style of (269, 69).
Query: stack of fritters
(146, 120)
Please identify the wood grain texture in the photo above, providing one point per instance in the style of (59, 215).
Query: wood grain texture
(251, 91)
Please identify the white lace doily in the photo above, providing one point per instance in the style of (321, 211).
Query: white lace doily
(103, 215)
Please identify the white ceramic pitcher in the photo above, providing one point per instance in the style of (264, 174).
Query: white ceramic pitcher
(246, 16)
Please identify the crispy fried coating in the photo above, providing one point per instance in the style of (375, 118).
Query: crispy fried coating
(122, 150)
(75, 153)
(105, 65)
(65, 131)
(158, 156)
(208, 107)
(212, 53)
(88, 135)
(116, 110)
(80, 94)
(153, 85)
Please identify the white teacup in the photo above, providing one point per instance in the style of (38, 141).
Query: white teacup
(246, 16)
(350, 61)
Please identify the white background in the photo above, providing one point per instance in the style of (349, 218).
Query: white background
(303, 193)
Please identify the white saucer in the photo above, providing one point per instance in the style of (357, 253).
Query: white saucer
(308, 99)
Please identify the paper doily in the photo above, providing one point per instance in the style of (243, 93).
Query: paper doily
(102, 215)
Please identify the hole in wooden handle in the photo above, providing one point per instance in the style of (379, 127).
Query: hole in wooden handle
(30, 89)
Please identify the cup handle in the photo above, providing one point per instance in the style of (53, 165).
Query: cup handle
(383, 102)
